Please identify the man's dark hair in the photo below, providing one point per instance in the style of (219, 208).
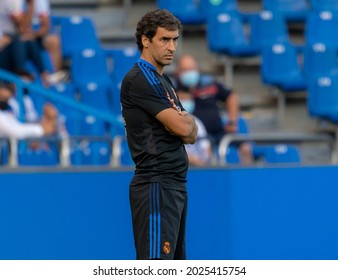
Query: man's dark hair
(149, 23)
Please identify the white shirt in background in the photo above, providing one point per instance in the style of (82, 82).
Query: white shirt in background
(8, 9)
(10, 127)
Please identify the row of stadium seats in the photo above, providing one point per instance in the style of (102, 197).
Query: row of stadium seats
(82, 153)
(98, 153)
(284, 66)
(197, 12)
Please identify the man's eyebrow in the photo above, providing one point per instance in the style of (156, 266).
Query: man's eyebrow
(168, 37)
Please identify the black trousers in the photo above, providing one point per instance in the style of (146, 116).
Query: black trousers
(159, 221)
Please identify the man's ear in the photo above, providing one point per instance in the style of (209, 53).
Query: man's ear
(145, 41)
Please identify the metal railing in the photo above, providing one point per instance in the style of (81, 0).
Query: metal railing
(64, 140)
(64, 148)
(276, 138)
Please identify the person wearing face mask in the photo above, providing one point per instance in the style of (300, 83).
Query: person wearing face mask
(10, 127)
(208, 94)
(199, 154)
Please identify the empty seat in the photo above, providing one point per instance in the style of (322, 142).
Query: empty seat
(187, 11)
(77, 33)
(89, 65)
(226, 34)
(321, 27)
(319, 60)
(282, 154)
(65, 89)
(38, 154)
(280, 68)
(291, 10)
(90, 153)
(267, 28)
(89, 71)
(123, 59)
(211, 7)
(79, 124)
(96, 95)
(322, 99)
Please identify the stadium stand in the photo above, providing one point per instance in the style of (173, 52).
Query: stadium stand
(280, 69)
(97, 69)
(291, 10)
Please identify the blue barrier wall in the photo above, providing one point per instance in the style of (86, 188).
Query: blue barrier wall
(258, 213)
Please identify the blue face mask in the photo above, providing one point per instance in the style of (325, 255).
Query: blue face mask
(188, 105)
(190, 78)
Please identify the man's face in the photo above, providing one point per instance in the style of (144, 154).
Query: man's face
(161, 49)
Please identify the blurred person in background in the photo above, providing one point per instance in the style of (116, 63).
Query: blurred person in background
(12, 51)
(10, 127)
(200, 154)
(16, 18)
(42, 33)
(30, 112)
(209, 96)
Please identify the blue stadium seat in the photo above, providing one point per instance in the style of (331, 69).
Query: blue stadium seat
(226, 35)
(322, 99)
(96, 95)
(77, 33)
(90, 153)
(280, 68)
(291, 10)
(90, 75)
(319, 60)
(73, 121)
(89, 65)
(268, 28)
(66, 89)
(324, 5)
(187, 11)
(79, 124)
(282, 154)
(232, 155)
(321, 27)
(122, 60)
(90, 125)
(211, 7)
(45, 154)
